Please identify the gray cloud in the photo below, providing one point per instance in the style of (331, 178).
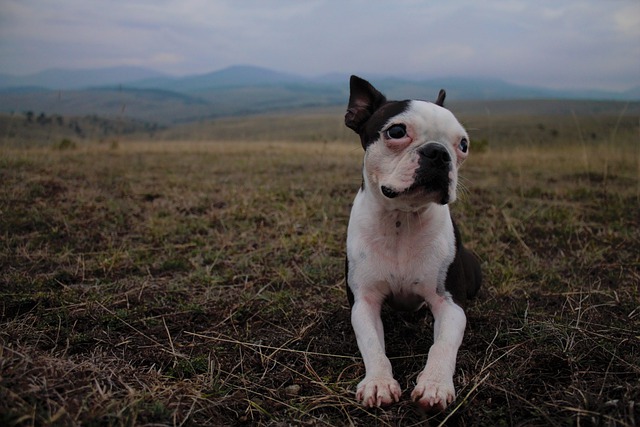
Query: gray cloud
(572, 44)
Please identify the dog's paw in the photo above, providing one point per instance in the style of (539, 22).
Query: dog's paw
(378, 391)
(433, 395)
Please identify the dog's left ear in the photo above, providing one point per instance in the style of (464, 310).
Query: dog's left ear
(363, 102)
(441, 96)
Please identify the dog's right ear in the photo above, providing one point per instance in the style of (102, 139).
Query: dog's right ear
(363, 102)
(441, 96)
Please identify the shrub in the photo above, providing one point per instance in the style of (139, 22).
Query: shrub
(64, 144)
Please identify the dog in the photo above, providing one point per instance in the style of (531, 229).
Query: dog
(403, 247)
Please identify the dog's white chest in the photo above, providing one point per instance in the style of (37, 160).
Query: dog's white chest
(403, 255)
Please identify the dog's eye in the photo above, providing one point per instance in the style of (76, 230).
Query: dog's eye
(464, 145)
(396, 132)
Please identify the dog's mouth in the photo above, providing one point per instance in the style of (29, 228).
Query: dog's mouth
(419, 190)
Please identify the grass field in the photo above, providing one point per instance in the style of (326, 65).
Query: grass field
(201, 283)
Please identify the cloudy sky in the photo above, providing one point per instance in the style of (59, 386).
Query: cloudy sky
(560, 44)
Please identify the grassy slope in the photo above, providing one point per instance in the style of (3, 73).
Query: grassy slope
(20, 130)
(198, 283)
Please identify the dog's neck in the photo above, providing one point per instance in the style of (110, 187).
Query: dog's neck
(389, 215)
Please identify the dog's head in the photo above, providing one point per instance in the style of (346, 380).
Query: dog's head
(412, 148)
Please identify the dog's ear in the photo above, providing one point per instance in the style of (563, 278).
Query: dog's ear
(441, 96)
(363, 102)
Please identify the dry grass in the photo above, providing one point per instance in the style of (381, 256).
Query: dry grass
(201, 284)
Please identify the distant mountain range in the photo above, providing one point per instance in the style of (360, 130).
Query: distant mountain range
(57, 79)
(149, 95)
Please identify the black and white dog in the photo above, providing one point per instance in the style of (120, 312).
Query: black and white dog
(403, 248)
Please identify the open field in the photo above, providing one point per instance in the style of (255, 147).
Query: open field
(201, 283)
(510, 121)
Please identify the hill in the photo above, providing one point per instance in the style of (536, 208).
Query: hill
(235, 76)
(146, 95)
(65, 79)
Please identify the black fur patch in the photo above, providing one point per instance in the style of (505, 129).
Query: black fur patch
(371, 131)
(369, 110)
(464, 276)
(432, 174)
(350, 296)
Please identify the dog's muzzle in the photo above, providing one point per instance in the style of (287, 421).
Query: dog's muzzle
(431, 175)
(433, 171)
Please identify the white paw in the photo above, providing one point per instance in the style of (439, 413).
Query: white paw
(433, 394)
(378, 391)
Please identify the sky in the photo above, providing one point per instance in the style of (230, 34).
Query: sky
(562, 44)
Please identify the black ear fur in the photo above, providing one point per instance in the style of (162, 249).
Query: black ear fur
(441, 96)
(363, 102)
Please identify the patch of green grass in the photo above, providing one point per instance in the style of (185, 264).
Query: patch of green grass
(188, 367)
(64, 144)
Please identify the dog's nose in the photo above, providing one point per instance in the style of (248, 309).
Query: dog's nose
(435, 154)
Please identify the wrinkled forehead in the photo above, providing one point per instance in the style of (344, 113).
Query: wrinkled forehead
(423, 115)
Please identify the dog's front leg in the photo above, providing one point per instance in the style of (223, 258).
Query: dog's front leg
(434, 387)
(378, 387)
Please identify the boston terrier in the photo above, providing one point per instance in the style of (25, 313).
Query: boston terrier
(403, 248)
